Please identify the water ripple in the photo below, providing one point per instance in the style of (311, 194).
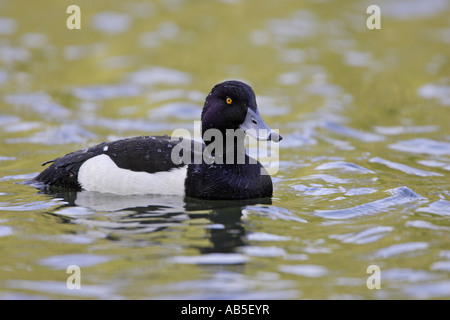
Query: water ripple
(6, 231)
(304, 270)
(61, 262)
(429, 290)
(343, 166)
(352, 133)
(435, 91)
(425, 225)
(60, 287)
(413, 9)
(366, 236)
(423, 145)
(440, 207)
(404, 168)
(102, 92)
(396, 249)
(273, 212)
(263, 236)
(212, 259)
(39, 102)
(399, 196)
(111, 22)
(158, 75)
(63, 134)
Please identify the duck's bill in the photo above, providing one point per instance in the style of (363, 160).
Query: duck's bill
(255, 126)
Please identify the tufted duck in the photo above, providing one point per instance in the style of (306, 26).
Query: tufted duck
(145, 165)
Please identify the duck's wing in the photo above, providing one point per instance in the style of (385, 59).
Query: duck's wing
(149, 154)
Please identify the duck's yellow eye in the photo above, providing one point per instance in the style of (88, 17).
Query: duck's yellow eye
(229, 100)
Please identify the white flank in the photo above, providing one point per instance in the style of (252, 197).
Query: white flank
(101, 174)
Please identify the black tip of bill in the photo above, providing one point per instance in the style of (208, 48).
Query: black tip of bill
(273, 136)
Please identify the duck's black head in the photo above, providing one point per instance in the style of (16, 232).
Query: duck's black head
(232, 105)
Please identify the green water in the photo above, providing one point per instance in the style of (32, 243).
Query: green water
(363, 176)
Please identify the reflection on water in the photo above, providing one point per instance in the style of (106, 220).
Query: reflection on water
(146, 214)
(364, 164)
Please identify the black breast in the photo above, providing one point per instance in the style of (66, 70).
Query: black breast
(222, 181)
